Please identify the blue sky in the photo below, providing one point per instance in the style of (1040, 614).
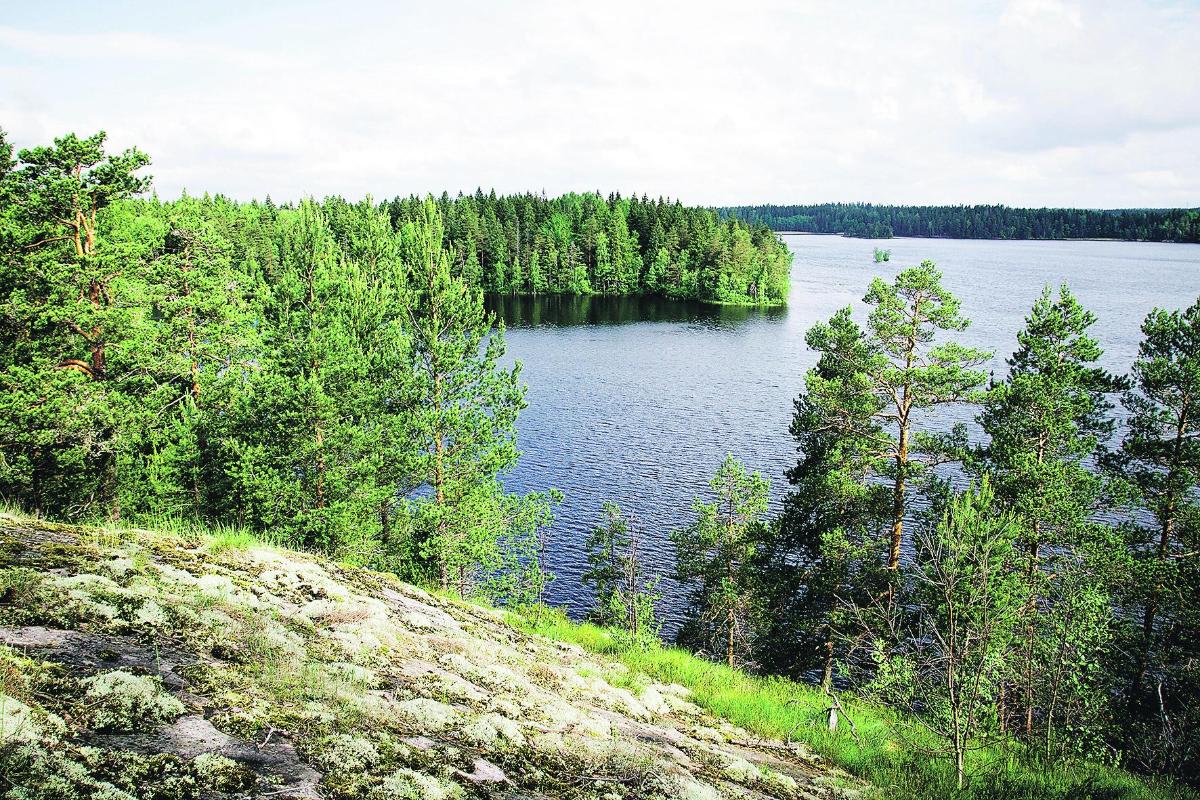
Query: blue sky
(1028, 102)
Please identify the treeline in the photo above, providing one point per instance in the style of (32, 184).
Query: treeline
(313, 374)
(584, 244)
(1041, 598)
(323, 373)
(870, 221)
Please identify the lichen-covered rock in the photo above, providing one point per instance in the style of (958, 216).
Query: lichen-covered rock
(407, 784)
(307, 680)
(426, 714)
(653, 701)
(689, 789)
(779, 783)
(484, 771)
(742, 771)
(120, 701)
(495, 732)
(217, 773)
(16, 721)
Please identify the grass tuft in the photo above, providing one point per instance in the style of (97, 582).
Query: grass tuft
(222, 540)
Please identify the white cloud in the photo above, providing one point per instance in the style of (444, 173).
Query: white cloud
(1037, 102)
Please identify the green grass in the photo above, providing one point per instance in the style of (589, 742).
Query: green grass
(223, 539)
(217, 537)
(884, 749)
(15, 512)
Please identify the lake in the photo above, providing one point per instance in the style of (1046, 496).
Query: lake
(638, 400)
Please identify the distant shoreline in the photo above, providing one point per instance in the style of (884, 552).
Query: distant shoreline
(980, 238)
(989, 223)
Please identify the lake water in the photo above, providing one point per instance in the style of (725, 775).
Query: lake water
(638, 400)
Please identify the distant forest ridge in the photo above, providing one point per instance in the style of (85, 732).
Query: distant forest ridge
(869, 221)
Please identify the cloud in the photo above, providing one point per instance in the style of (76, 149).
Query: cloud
(1034, 102)
(128, 46)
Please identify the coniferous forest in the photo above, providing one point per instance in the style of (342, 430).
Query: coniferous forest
(323, 371)
(324, 376)
(871, 221)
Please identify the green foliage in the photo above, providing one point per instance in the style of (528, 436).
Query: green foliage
(976, 222)
(716, 555)
(624, 598)
(868, 395)
(312, 375)
(856, 426)
(584, 244)
(1160, 456)
(1046, 422)
(64, 299)
(464, 411)
(888, 749)
(965, 595)
(824, 546)
(1053, 589)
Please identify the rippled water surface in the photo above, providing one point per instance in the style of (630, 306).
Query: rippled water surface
(638, 401)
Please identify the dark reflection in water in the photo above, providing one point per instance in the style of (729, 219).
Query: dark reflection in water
(560, 310)
(638, 399)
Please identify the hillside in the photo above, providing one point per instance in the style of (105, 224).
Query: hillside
(150, 665)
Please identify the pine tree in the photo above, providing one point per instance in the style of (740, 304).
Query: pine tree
(296, 449)
(67, 297)
(824, 552)
(891, 372)
(965, 598)
(200, 344)
(717, 554)
(625, 598)
(909, 374)
(1161, 456)
(465, 408)
(1046, 422)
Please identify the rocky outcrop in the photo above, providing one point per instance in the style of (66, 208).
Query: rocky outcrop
(146, 665)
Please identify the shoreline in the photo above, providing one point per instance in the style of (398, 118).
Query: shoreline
(980, 238)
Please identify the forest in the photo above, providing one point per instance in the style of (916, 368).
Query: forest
(870, 221)
(1042, 597)
(325, 376)
(322, 371)
(583, 244)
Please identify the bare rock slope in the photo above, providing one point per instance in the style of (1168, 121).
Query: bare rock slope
(138, 665)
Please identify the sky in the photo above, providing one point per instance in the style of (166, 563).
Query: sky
(1026, 102)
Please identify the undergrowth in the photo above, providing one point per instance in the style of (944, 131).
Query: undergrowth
(883, 748)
